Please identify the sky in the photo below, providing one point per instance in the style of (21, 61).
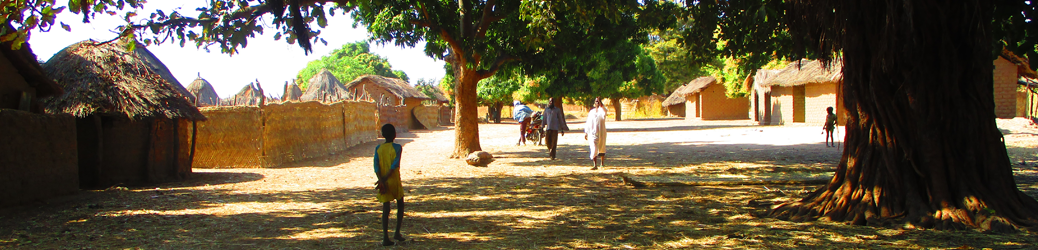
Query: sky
(270, 62)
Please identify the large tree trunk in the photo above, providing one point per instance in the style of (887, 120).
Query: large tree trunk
(922, 146)
(466, 128)
(617, 108)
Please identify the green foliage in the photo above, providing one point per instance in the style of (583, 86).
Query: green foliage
(498, 89)
(727, 70)
(24, 16)
(347, 63)
(752, 33)
(675, 62)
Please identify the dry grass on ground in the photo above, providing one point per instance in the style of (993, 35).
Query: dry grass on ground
(522, 201)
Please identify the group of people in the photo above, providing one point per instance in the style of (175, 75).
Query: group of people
(387, 155)
(554, 123)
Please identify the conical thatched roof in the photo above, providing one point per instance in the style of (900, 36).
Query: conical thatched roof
(292, 92)
(804, 72)
(154, 63)
(203, 92)
(678, 97)
(250, 95)
(325, 87)
(106, 79)
(397, 87)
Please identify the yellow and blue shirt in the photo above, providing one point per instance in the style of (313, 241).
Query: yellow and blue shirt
(387, 161)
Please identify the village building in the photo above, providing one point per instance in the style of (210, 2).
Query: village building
(389, 92)
(133, 127)
(1010, 99)
(250, 95)
(705, 99)
(203, 92)
(37, 151)
(292, 92)
(800, 93)
(325, 87)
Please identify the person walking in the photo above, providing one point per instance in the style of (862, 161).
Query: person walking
(595, 132)
(554, 122)
(522, 114)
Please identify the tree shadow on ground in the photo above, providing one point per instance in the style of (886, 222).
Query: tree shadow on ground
(670, 155)
(592, 210)
(676, 128)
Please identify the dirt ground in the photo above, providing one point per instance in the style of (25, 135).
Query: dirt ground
(521, 201)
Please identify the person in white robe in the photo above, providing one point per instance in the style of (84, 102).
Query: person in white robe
(595, 133)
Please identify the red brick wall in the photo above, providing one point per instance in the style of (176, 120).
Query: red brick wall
(1005, 76)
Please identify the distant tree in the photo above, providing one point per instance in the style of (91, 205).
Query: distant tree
(347, 63)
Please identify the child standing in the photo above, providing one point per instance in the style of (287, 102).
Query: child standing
(387, 169)
(830, 125)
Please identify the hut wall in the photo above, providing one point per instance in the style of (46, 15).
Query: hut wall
(446, 116)
(409, 106)
(717, 106)
(821, 96)
(427, 116)
(275, 135)
(124, 152)
(12, 85)
(394, 115)
(781, 105)
(1005, 78)
(230, 137)
(693, 108)
(1021, 102)
(676, 110)
(39, 157)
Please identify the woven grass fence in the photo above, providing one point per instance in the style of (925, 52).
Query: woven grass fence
(231, 137)
(427, 116)
(278, 134)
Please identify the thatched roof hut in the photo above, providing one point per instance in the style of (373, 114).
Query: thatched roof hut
(325, 87)
(802, 72)
(678, 97)
(155, 64)
(104, 78)
(389, 86)
(23, 75)
(134, 127)
(292, 92)
(203, 92)
(250, 95)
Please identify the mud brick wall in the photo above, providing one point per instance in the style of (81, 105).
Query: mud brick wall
(38, 157)
(1005, 77)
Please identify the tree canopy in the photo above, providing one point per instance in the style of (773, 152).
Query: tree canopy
(349, 62)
